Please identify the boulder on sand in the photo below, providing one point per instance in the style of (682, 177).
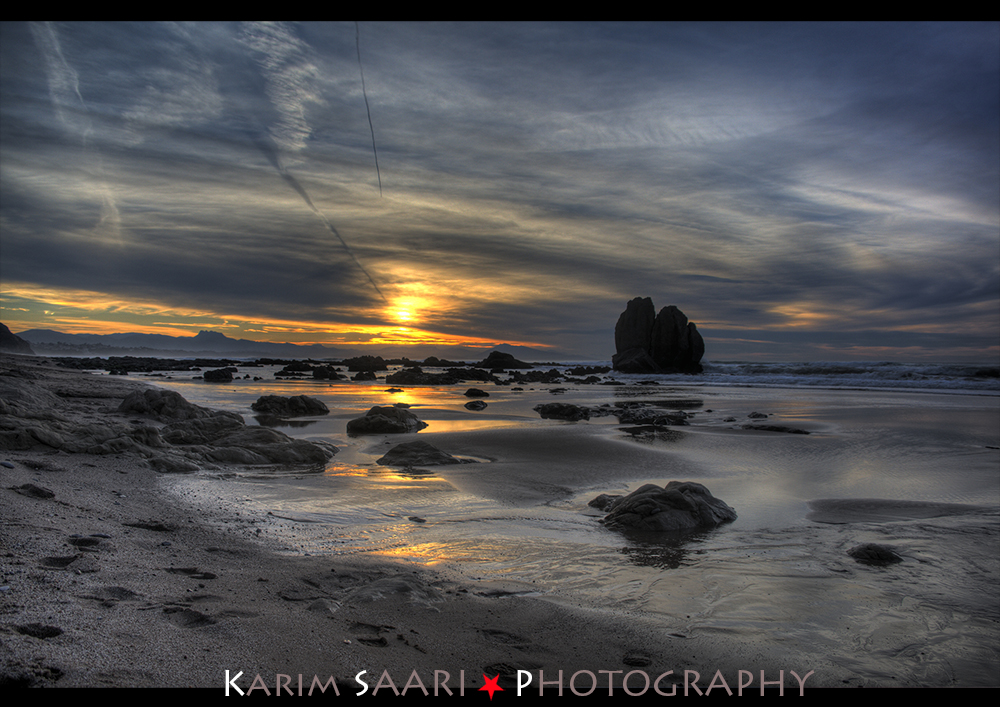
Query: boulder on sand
(680, 505)
(385, 420)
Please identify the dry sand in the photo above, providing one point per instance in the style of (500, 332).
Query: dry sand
(109, 582)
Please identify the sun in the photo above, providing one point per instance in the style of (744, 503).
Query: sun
(404, 311)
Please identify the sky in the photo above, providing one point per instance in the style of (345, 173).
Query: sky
(799, 191)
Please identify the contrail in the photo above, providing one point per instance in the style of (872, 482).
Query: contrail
(287, 71)
(272, 156)
(357, 42)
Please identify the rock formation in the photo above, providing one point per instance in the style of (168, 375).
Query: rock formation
(12, 343)
(295, 406)
(418, 453)
(680, 505)
(562, 411)
(191, 437)
(664, 343)
(221, 375)
(502, 361)
(385, 420)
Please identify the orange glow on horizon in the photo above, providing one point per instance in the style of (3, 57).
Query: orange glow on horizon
(88, 312)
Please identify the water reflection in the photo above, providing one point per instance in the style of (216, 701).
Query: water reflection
(663, 550)
(275, 422)
(650, 434)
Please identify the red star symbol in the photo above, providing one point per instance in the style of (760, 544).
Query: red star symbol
(491, 685)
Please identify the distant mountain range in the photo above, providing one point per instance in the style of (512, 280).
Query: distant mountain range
(47, 342)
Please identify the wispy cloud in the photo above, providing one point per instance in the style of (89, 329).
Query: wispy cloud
(835, 182)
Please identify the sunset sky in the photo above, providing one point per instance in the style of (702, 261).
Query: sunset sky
(800, 191)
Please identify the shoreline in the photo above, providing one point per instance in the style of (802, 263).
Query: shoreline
(111, 583)
(157, 591)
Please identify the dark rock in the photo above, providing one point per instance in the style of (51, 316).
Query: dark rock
(166, 405)
(295, 406)
(550, 376)
(193, 437)
(220, 375)
(757, 415)
(634, 329)
(587, 370)
(502, 361)
(417, 453)
(775, 428)
(12, 343)
(680, 505)
(476, 405)
(435, 362)
(634, 361)
(666, 343)
(604, 501)
(562, 411)
(385, 420)
(200, 431)
(872, 554)
(366, 363)
(476, 393)
(646, 415)
(416, 376)
(364, 376)
(673, 341)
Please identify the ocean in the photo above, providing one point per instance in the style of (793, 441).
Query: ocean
(906, 455)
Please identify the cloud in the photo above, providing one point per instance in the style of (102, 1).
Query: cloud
(763, 178)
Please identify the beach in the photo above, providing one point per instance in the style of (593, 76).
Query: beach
(129, 577)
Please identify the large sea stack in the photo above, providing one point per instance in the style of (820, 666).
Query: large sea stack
(664, 343)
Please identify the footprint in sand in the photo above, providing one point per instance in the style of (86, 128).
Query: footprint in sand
(187, 618)
(506, 638)
(111, 595)
(90, 543)
(375, 629)
(155, 526)
(191, 572)
(38, 630)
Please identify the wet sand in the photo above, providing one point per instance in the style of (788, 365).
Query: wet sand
(114, 581)
(109, 582)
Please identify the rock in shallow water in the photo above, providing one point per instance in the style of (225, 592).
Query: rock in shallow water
(418, 453)
(385, 420)
(562, 411)
(295, 406)
(680, 505)
(664, 343)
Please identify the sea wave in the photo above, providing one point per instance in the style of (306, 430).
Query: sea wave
(952, 377)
